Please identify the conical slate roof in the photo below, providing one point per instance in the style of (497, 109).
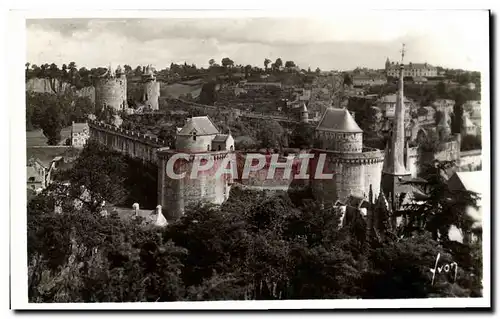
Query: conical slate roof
(338, 120)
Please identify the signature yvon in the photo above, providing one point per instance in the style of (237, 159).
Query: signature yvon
(447, 268)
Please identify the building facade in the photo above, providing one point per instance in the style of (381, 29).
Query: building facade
(80, 133)
(410, 70)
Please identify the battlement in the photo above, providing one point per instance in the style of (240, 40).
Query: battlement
(146, 139)
(367, 156)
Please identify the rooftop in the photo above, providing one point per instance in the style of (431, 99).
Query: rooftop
(220, 138)
(466, 181)
(391, 98)
(202, 125)
(338, 120)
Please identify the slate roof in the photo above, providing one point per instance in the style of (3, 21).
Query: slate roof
(338, 120)
(220, 138)
(201, 124)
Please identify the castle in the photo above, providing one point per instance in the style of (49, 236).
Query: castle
(111, 90)
(198, 141)
(151, 88)
(353, 166)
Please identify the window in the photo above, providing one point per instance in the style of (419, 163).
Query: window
(194, 136)
(219, 148)
(208, 147)
(31, 179)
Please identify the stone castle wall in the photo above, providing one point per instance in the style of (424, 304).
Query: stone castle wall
(151, 94)
(111, 92)
(129, 143)
(177, 194)
(341, 142)
(353, 173)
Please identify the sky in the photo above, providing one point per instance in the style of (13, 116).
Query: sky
(454, 39)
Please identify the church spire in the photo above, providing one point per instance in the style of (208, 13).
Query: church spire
(395, 165)
(395, 162)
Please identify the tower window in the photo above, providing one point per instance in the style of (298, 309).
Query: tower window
(194, 136)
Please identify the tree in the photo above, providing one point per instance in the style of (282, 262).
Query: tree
(271, 134)
(52, 124)
(458, 112)
(227, 62)
(127, 68)
(441, 89)
(138, 71)
(278, 64)
(442, 207)
(289, 64)
(318, 70)
(211, 62)
(347, 79)
(266, 63)
(470, 142)
(248, 68)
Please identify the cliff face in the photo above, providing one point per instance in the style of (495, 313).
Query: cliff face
(54, 86)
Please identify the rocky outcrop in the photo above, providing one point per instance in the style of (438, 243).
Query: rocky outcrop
(54, 86)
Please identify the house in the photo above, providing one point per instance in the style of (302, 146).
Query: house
(387, 104)
(36, 173)
(411, 70)
(444, 105)
(368, 80)
(426, 114)
(79, 134)
(199, 134)
(39, 173)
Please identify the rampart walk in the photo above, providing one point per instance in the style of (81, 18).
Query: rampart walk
(129, 143)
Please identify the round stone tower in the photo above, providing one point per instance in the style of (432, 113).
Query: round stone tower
(151, 88)
(353, 168)
(111, 89)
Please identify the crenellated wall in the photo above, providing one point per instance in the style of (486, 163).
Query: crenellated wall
(353, 173)
(129, 143)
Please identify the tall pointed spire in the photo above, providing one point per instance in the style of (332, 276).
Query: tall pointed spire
(395, 162)
(395, 166)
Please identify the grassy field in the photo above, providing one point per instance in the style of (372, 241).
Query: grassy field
(36, 137)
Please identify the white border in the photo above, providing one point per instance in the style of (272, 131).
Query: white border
(16, 57)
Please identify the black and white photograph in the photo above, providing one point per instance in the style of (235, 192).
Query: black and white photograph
(251, 160)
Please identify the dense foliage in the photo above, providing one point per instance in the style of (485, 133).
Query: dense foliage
(257, 245)
(51, 113)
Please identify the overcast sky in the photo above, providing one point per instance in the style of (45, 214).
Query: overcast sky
(457, 39)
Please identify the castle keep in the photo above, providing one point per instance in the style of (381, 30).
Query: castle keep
(355, 168)
(111, 90)
(199, 141)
